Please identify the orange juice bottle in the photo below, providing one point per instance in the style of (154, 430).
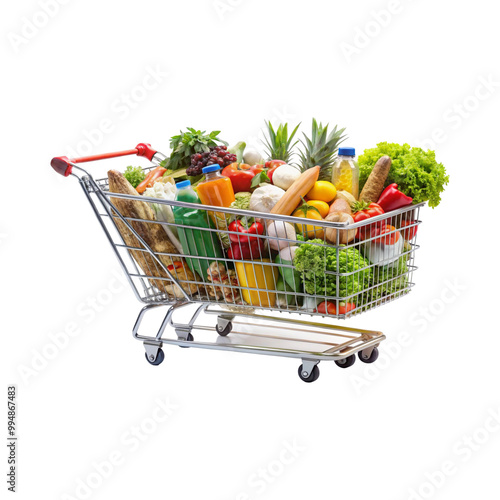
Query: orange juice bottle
(216, 190)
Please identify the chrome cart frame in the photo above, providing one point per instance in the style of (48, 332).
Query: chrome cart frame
(364, 286)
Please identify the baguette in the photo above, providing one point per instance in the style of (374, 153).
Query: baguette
(374, 185)
(293, 195)
(153, 235)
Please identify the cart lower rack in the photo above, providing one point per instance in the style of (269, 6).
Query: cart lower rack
(336, 271)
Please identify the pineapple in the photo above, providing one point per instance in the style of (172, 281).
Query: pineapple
(278, 145)
(321, 149)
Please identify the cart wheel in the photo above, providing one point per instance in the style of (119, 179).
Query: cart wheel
(225, 331)
(314, 375)
(159, 358)
(368, 359)
(346, 362)
(190, 338)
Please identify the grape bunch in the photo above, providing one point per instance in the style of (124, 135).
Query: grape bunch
(218, 155)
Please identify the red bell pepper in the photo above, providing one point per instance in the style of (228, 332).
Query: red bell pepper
(391, 235)
(252, 250)
(330, 307)
(150, 179)
(241, 175)
(237, 227)
(243, 244)
(392, 198)
(363, 211)
(271, 166)
(410, 232)
(176, 264)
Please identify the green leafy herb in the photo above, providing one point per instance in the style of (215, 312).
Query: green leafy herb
(416, 171)
(188, 143)
(259, 179)
(390, 281)
(134, 175)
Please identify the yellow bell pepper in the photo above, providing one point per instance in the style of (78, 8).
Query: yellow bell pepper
(308, 230)
(255, 274)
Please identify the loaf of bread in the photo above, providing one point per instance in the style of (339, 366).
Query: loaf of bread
(153, 235)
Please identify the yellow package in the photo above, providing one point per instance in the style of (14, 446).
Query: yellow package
(255, 274)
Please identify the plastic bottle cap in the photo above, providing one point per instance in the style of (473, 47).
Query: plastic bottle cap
(347, 151)
(210, 168)
(183, 184)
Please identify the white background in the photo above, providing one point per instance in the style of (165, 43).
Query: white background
(374, 431)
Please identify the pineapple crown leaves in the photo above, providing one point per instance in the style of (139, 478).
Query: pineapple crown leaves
(279, 145)
(321, 148)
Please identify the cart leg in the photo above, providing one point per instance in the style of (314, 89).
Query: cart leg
(184, 334)
(154, 352)
(183, 331)
(144, 310)
(308, 370)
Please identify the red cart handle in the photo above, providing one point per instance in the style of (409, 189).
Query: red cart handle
(63, 165)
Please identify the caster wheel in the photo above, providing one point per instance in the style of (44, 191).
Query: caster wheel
(159, 358)
(346, 362)
(225, 331)
(190, 338)
(314, 375)
(368, 359)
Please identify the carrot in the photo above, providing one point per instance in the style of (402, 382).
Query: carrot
(150, 179)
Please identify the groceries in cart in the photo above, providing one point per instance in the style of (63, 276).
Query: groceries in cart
(299, 226)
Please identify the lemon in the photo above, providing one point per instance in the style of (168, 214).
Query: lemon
(323, 191)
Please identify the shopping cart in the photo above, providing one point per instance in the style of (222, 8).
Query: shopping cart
(345, 275)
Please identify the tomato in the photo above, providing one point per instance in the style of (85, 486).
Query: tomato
(322, 207)
(363, 211)
(391, 235)
(241, 175)
(328, 307)
(307, 230)
(322, 190)
(410, 232)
